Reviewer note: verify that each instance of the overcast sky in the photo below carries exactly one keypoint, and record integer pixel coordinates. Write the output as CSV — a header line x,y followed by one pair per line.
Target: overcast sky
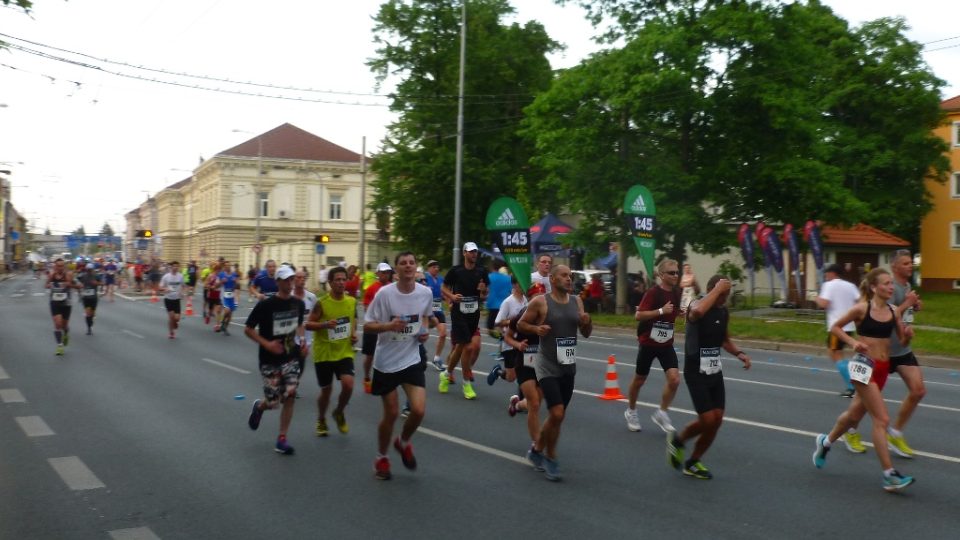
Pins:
x,y
86,146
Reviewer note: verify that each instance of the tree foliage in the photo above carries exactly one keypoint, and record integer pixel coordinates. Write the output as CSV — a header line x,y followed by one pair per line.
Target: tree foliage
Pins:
x,y
419,43
106,230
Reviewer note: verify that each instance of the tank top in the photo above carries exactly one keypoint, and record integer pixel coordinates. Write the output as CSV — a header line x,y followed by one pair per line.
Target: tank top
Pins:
x,y
332,344
59,292
870,327
704,337
560,343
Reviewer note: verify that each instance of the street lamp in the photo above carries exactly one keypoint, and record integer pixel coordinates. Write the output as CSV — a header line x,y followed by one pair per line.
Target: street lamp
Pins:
x,y
258,204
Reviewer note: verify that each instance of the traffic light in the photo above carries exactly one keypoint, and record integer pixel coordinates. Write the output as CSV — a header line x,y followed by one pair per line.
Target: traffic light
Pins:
x,y
144,233
321,238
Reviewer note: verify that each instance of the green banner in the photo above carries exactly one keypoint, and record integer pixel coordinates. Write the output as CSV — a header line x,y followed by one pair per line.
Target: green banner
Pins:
x,y
511,234
641,216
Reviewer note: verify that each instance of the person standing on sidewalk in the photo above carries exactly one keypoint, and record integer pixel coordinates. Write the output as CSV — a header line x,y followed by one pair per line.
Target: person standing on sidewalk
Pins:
x,y
837,296
657,312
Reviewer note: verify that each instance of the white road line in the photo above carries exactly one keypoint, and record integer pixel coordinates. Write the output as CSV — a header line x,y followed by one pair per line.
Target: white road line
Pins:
x,y
134,334
3,374
75,474
472,445
140,533
16,295
12,395
39,294
34,426
227,366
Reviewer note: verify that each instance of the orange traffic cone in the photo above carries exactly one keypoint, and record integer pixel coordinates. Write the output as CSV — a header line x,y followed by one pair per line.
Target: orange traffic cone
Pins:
x,y
611,388
153,296
189,312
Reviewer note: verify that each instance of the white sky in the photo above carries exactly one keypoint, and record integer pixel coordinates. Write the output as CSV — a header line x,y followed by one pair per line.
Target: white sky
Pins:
x,y
86,153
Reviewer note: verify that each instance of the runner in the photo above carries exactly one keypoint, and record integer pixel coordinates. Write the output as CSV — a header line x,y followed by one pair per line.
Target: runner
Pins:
x,y
555,317
837,296
706,334
541,275
138,276
464,287
510,307
519,362
657,312
264,284
212,302
153,275
192,274
251,275
309,300
434,281
876,320
397,315
334,325
369,343
110,279
88,294
274,324
227,281
171,285
60,281
500,288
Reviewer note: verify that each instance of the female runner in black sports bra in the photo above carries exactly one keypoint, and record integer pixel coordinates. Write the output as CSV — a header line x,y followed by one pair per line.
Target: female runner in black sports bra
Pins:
x,y
876,320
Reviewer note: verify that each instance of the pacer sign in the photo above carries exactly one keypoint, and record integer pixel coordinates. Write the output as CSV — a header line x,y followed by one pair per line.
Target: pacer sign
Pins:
x,y
641,215
507,221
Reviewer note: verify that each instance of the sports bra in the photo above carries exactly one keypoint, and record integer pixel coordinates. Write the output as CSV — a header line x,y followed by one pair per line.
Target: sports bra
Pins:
x,y
869,327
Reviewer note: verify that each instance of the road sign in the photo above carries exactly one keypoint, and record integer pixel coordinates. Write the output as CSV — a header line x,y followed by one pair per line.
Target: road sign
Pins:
x,y
257,248
321,249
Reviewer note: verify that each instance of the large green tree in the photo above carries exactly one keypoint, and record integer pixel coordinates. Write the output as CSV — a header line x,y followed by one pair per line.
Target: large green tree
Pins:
x,y
419,43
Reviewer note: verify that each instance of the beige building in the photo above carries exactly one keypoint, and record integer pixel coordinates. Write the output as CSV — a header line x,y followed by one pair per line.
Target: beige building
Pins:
x,y
306,186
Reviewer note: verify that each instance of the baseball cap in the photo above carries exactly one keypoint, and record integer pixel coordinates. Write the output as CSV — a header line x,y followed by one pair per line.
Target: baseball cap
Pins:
x,y
89,266
285,272
469,246
835,268
384,267
432,262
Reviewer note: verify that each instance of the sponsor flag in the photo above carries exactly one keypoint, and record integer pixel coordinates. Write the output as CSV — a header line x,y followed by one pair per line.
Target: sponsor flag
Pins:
x,y
641,215
507,221
811,235
790,239
745,236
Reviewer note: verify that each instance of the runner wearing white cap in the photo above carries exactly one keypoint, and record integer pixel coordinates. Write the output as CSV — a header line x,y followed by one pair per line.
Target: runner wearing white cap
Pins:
x,y
464,287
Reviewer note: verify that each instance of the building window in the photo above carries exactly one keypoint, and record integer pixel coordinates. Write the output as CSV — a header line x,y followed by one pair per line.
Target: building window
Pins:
x,y
956,133
956,284
955,234
264,204
955,186
336,207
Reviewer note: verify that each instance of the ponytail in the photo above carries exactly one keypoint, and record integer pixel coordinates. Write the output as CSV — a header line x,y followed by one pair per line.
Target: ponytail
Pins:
x,y
866,292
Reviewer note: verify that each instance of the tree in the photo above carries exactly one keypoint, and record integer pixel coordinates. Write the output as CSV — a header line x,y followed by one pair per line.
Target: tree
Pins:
x,y
506,65
106,230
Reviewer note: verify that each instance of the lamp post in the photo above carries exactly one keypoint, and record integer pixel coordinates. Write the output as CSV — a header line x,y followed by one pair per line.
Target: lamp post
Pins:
x,y
258,204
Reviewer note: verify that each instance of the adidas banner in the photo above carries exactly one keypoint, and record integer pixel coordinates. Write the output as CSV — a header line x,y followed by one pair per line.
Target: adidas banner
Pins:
x,y
641,216
511,234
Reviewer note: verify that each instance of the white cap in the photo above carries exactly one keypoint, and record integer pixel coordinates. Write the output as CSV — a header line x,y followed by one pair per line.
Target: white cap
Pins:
x,y
470,246
89,266
285,272
384,267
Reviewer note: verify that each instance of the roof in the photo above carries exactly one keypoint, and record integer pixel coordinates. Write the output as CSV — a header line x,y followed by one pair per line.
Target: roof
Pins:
x,y
952,104
861,235
290,142
180,184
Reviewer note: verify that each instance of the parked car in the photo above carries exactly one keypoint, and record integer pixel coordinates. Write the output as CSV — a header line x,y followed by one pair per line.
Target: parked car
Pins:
x,y
582,277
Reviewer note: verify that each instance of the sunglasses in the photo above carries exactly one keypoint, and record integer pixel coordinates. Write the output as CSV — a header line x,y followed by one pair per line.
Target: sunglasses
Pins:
x,y
672,273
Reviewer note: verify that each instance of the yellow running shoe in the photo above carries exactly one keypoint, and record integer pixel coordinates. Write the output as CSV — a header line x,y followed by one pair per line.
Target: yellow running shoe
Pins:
x,y
899,445
341,421
322,430
852,440
468,392
444,385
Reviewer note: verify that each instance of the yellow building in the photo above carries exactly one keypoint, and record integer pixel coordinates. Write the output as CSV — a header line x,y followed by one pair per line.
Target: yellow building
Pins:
x,y
940,229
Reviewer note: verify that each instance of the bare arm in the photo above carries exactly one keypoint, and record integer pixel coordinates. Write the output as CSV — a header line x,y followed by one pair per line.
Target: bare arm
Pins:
x,y
855,315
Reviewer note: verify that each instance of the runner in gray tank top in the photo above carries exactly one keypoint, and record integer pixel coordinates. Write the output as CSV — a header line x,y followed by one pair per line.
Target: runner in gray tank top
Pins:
x,y
555,317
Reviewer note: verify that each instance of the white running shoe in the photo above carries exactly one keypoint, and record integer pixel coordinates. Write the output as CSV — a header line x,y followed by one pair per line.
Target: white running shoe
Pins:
x,y
633,421
661,419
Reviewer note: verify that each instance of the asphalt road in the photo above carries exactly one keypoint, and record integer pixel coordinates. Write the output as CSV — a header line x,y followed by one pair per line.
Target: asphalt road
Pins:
x,y
132,435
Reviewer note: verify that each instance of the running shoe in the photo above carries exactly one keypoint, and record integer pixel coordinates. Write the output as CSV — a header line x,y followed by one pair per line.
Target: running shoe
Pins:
x,y
381,468
444,385
282,447
535,458
852,440
674,450
206,319
89,332
225,331
551,469
494,374
341,421
367,386
438,364
899,445
255,415
171,336
59,350
405,411
406,454
216,327
66,338
633,420
322,430
661,419
848,393
468,392
697,470
512,409
896,481
820,454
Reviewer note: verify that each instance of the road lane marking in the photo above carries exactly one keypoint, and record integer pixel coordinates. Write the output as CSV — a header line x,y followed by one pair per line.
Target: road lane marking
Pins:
x,y
34,426
473,445
134,334
16,295
75,474
139,533
39,294
227,366
12,395
3,374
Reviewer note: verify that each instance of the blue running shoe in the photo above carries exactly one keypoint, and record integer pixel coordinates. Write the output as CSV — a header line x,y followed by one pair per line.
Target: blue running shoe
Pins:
x,y
896,481
551,469
255,415
283,447
820,454
535,458
494,374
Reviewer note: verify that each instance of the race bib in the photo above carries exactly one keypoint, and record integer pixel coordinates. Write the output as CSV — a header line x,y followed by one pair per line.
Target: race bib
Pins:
x,y
710,360
87,293
340,331
567,350
228,294
410,329
58,296
284,322
437,305
908,316
530,355
469,304
861,368
662,331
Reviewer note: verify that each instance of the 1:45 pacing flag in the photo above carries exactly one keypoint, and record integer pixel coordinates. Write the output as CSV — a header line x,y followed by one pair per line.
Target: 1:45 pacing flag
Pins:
x,y
641,215
507,221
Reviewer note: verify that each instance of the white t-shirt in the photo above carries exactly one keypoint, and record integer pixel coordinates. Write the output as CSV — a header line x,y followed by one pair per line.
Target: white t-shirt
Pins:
x,y
397,351
842,296
543,280
309,300
509,309
173,283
